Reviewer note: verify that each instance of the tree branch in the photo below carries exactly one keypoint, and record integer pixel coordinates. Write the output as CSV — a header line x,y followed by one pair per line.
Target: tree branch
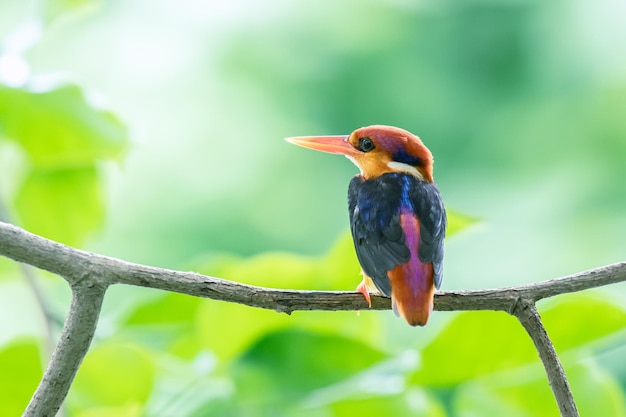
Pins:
x,y
80,326
527,314
84,270
74,265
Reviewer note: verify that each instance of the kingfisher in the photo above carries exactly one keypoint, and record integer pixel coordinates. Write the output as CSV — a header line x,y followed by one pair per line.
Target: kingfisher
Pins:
x,y
397,217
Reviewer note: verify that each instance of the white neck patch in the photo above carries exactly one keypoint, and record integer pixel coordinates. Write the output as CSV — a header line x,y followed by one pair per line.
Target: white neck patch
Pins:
x,y
402,167
354,162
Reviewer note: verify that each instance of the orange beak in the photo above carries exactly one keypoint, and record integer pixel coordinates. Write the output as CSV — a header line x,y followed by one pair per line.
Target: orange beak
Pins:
x,y
331,144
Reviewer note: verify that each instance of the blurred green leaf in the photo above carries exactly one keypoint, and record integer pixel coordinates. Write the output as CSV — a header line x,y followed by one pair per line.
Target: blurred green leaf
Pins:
x,y
413,403
340,269
574,320
20,363
131,409
596,391
62,204
526,393
286,365
59,128
8,269
514,395
276,270
379,389
58,8
270,269
188,388
63,137
218,318
458,221
217,322
167,323
494,341
472,344
171,308
113,374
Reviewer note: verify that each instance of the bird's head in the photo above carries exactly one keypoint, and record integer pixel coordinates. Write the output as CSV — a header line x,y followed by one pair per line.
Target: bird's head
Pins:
x,y
376,150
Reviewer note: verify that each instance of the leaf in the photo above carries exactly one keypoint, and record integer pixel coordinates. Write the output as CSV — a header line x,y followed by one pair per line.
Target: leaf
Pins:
x,y
20,363
574,320
8,269
113,374
596,392
216,323
415,402
281,270
59,128
527,393
171,308
378,390
62,204
474,343
458,221
478,343
62,137
340,268
54,9
270,269
167,323
286,365
187,388
131,409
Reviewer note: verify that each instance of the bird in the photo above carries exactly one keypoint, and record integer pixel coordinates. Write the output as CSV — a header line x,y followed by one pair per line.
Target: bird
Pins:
x,y
397,216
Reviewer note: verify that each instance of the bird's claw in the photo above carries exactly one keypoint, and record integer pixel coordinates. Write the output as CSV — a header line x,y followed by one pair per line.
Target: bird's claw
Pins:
x,y
362,288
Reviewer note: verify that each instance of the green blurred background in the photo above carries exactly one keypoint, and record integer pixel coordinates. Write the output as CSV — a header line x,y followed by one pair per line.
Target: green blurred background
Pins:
x,y
523,104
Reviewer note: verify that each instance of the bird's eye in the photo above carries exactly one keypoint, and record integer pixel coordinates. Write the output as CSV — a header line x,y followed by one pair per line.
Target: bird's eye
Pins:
x,y
366,144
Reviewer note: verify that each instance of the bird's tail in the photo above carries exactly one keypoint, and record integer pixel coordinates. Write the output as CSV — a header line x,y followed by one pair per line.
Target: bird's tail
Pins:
x,y
412,295
412,285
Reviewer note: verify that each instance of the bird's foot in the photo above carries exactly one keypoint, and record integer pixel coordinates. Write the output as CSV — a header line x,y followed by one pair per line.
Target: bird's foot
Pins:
x,y
362,288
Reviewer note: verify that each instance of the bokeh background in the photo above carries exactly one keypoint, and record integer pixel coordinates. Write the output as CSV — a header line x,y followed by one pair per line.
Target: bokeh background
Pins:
x,y
152,132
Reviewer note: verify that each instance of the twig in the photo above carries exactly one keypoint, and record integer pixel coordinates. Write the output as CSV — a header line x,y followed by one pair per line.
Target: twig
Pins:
x,y
50,319
72,347
97,272
527,314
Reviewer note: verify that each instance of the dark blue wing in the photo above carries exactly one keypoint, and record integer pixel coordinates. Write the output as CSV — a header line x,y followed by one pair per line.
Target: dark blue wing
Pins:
x,y
375,206
428,207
